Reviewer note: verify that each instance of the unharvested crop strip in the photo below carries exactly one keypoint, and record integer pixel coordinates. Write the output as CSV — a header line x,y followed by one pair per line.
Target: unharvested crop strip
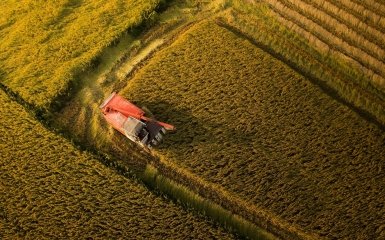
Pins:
x,y
183,195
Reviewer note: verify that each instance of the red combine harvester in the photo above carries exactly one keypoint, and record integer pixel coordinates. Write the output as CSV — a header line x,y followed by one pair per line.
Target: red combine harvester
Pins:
x,y
130,121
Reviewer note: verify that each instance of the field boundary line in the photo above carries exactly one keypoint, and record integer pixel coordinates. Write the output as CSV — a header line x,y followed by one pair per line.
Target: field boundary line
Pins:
x,y
323,85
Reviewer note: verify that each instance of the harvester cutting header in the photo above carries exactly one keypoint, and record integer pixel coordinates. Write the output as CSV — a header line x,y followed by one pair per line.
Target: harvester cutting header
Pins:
x,y
129,119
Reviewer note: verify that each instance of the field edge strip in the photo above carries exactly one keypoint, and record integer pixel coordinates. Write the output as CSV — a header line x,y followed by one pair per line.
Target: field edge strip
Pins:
x,y
184,196
215,193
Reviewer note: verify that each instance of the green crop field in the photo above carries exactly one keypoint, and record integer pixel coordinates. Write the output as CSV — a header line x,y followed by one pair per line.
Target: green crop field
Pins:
x,y
44,44
51,190
251,125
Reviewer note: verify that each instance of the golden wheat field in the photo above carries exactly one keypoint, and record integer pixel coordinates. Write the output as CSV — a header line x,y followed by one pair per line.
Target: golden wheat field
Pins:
x,y
44,44
252,125
51,190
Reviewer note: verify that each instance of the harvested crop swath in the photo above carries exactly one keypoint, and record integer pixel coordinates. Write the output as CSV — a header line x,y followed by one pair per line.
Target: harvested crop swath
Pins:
x,y
360,12
44,44
344,24
336,35
377,7
50,190
331,45
310,56
249,123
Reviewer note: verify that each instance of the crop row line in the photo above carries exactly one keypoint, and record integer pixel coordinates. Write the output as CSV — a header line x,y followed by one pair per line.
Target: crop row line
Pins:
x,y
330,67
316,40
374,41
361,13
372,5
372,65
323,46
362,97
339,31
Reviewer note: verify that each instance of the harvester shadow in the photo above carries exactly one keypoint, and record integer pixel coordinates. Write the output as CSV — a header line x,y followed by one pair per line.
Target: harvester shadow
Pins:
x,y
191,130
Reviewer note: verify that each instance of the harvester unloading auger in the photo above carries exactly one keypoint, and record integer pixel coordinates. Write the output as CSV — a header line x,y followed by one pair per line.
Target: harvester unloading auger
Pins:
x,y
128,119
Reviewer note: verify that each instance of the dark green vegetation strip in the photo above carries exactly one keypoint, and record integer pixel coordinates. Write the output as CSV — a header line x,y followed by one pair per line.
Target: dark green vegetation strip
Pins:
x,y
250,124
45,44
49,189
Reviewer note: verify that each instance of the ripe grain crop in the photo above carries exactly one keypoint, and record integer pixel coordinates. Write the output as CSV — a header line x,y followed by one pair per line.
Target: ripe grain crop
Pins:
x,y
311,56
335,46
356,15
377,7
349,27
250,124
44,44
361,12
334,34
50,189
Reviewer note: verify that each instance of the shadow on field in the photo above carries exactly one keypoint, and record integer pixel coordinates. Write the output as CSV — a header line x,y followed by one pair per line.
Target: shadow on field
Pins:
x,y
191,130
2,75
